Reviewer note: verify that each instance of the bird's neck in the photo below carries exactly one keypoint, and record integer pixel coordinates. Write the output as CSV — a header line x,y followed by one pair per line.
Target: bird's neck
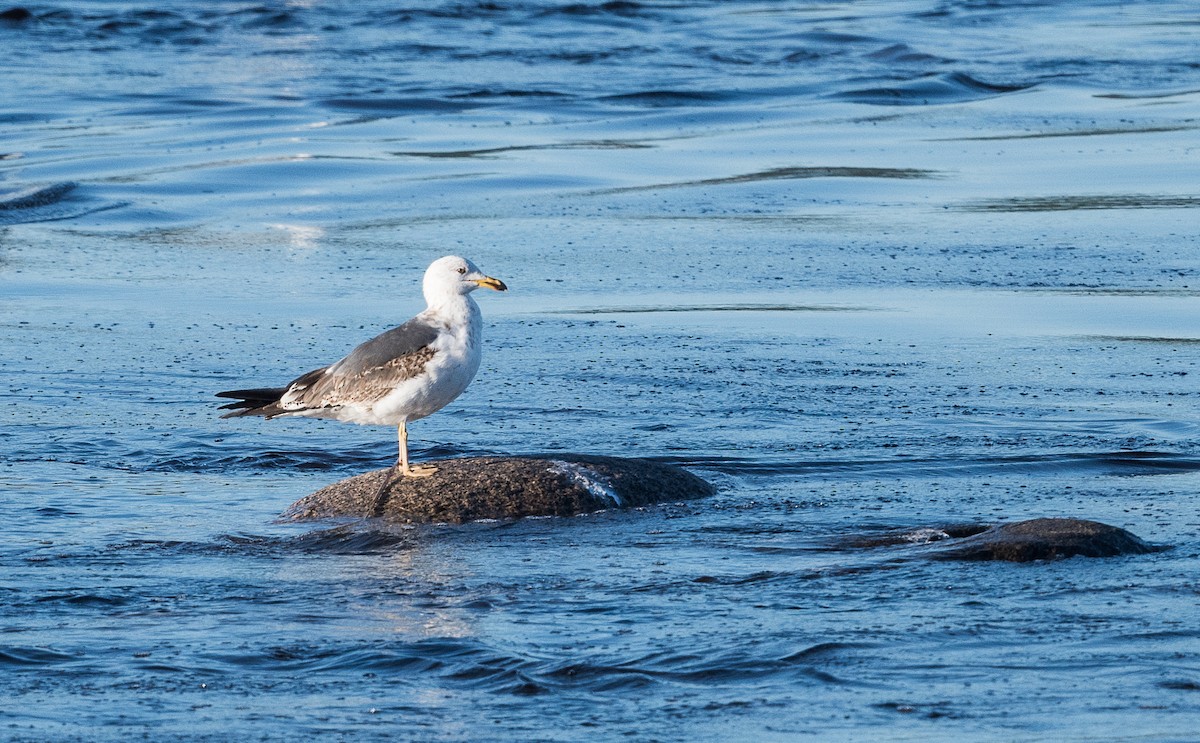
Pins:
x,y
454,308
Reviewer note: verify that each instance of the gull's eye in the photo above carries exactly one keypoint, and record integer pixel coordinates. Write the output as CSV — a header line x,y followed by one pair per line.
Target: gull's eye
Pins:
x,y
462,269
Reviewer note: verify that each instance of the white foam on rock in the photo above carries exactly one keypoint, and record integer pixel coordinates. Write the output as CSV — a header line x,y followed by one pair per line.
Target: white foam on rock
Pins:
x,y
926,535
593,482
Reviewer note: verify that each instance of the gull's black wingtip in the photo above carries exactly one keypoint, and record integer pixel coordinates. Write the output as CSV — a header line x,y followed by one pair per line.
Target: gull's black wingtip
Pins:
x,y
250,402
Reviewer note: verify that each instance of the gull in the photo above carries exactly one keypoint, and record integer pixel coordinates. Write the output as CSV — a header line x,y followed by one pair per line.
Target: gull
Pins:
x,y
399,376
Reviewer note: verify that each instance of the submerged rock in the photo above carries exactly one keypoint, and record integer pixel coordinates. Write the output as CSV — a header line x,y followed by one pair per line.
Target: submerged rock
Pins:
x,y
16,15
476,488
1021,541
1045,539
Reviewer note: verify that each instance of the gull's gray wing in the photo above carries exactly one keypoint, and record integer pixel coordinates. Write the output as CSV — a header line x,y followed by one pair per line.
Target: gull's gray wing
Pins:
x,y
387,347
371,370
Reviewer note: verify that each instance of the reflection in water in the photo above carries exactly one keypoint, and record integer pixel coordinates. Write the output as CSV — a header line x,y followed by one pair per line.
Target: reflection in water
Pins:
x,y
302,237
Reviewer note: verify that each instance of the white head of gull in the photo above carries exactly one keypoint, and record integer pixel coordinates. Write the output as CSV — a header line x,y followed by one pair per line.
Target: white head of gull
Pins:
x,y
402,375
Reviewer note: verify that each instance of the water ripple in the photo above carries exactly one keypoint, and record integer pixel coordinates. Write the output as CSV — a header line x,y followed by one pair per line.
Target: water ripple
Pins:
x,y
952,87
1113,463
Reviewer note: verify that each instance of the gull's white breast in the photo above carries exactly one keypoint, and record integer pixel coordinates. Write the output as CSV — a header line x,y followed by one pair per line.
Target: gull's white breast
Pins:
x,y
457,353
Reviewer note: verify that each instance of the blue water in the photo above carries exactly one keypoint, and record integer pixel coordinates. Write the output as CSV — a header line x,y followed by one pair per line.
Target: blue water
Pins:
x,y
868,267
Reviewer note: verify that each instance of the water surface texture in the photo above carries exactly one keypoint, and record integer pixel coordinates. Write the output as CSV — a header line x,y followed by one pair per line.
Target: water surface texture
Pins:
x,y
869,267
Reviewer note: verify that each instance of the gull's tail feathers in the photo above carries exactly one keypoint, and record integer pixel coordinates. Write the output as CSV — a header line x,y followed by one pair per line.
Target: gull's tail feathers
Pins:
x,y
261,401
264,401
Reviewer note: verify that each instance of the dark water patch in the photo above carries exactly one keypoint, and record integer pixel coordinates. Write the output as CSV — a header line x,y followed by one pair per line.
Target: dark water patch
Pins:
x,y
143,176
762,576
1105,132
512,93
221,546
354,539
216,459
1110,463
735,667
650,309
34,197
207,459
747,219
1188,633
83,599
153,546
588,57
155,27
751,582
786,173
1089,290
1148,96
168,105
826,651
33,657
55,512
600,144
623,8
670,98
927,710
718,667
496,673
289,659
1180,685
55,202
233,455
398,106
345,539
1080,203
954,87
1154,340
451,11
23,117
905,54
266,18
837,39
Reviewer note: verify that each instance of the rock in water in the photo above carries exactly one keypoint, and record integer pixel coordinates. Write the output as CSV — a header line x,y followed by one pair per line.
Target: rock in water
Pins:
x,y
1045,539
476,488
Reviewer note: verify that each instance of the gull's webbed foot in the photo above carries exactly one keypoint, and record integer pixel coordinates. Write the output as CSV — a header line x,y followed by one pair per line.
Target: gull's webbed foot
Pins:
x,y
421,471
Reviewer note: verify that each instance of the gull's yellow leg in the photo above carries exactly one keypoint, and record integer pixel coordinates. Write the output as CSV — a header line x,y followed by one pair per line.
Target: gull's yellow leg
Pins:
x,y
405,469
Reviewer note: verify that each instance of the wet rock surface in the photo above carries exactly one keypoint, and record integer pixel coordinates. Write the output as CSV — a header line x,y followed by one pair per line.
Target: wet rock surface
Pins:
x,y
1020,541
475,488
1046,539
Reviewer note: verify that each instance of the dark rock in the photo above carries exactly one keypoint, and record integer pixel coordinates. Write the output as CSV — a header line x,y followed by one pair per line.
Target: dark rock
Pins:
x,y
15,15
1045,539
476,488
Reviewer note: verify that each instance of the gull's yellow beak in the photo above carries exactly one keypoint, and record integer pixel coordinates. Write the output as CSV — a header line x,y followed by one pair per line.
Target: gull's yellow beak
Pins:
x,y
491,283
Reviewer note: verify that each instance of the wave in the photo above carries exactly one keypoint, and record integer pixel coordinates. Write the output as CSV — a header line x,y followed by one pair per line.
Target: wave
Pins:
x,y
473,665
670,98
11,655
953,87
397,106
192,456
48,203
1070,203
346,539
34,197
1118,463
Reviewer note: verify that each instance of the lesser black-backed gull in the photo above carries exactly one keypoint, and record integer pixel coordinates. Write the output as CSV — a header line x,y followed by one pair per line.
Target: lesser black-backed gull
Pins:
x,y
402,375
